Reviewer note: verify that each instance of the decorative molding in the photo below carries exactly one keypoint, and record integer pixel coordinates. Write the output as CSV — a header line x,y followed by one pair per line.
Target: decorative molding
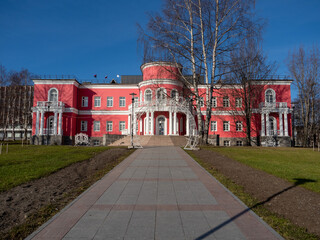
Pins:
x,y
160,82
113,86
58,82
102,112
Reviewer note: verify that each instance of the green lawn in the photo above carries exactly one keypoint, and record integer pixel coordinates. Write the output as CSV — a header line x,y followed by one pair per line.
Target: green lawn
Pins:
x,y
286,163
23,164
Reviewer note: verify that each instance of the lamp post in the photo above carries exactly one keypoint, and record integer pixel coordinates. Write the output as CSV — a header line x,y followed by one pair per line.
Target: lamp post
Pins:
x,y
132,125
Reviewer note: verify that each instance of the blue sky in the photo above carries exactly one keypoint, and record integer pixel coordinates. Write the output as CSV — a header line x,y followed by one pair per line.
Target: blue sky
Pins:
x,y
87,37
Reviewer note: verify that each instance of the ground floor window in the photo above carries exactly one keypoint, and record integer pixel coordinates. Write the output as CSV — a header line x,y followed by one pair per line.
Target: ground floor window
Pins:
x,y
84,126
96,142
96,126
226,126
109,126
239,143
213,126
122,125
238,126
226,143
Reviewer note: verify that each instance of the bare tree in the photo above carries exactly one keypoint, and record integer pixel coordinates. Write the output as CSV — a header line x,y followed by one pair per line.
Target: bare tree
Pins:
x,y
304,66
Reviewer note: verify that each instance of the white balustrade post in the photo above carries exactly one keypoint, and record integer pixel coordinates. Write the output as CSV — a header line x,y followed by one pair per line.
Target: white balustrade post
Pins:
x,y
170,123
267,124
55,121
152,122
37,122
286,124
41,122
281,124
60,124
263,130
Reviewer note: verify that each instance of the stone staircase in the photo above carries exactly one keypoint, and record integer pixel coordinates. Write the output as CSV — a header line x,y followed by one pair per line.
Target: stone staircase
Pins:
x,y
147,141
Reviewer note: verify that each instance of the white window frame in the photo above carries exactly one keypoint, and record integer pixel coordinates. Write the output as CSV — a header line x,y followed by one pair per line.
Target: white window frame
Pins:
x,y
109,100
238,102
214,102
84,126
226,143
273,93
97,101
109,126
49,94
226,101
226,126
84,101
122,125
214,126
122,101
239,126
96,126
147,91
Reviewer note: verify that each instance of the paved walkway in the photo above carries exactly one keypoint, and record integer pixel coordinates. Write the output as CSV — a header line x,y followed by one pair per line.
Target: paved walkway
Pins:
x,y
156,193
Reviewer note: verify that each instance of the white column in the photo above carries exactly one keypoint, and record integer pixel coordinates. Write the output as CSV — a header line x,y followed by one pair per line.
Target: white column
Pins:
x,y
263,130
174,123
281,124
41,122
187,125
134,124
147,123
129,124
37,122
267,124
140,126
55,121
170,123
60,124
152,122
286,124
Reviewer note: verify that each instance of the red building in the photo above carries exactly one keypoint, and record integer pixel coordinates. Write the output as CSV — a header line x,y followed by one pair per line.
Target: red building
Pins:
x,y
65,107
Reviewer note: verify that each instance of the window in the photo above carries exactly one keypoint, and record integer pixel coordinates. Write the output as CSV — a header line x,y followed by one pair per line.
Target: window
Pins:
x,y
214,102
109,126
226,126
84,126
201,102
270,96
238,102
238,126
84,102
53,95
148,95
136,99
174,94
97,101
226,143
161,94
122,125
239,143
226,102
109,101
96,142
96,126
213,126
122,101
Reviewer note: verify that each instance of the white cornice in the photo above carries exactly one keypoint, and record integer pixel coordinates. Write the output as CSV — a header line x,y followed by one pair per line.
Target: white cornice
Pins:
x,y
71,110
56,81
102,112
115,86
160,82
164,64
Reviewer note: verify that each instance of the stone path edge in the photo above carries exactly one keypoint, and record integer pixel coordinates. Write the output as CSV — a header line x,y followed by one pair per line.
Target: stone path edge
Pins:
x,y
123,164
184,153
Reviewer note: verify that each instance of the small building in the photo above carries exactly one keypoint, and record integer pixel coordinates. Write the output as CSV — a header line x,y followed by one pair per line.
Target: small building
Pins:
x,y
162,105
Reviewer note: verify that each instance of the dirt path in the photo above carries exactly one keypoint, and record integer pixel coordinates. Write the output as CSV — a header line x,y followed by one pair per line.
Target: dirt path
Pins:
x,y
295,203
57,189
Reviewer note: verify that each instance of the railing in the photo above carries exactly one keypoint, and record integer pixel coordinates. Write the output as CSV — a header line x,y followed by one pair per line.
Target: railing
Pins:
x,y
273,105
48,104
272,133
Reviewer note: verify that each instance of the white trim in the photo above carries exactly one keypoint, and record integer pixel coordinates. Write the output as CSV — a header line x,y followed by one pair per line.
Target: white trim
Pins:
x,y
71,110
163,64
160,81
274,96
102,112
114,86
58,82
227,113
49,94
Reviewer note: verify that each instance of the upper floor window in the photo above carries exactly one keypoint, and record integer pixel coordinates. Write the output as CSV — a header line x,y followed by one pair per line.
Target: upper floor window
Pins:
x,y
174,94
238,102
270,96
148,95
213,126
53,95
122,101
226,102
97,101
96,126
84,102
161,94
109,101
214,102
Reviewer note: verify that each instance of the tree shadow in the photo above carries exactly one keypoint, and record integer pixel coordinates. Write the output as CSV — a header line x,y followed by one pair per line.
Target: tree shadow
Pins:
x,y
298,181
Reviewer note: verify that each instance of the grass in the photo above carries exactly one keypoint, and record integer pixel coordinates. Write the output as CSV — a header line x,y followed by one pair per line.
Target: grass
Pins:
x,y
287,163
25,163
284,227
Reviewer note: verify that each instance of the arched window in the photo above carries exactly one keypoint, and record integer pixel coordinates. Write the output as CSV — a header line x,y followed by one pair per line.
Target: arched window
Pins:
x,y
161,94
53,95
174,94
147,95
270,96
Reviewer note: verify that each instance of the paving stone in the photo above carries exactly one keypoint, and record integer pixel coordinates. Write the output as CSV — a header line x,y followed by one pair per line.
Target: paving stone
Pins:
x,y
168,225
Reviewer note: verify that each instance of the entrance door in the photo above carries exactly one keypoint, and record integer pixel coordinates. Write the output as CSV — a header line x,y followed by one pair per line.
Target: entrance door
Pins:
x,y
50,125
161,122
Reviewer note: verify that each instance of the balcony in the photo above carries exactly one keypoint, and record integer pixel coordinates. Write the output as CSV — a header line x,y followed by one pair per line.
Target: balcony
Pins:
x,y
273,105
47,104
